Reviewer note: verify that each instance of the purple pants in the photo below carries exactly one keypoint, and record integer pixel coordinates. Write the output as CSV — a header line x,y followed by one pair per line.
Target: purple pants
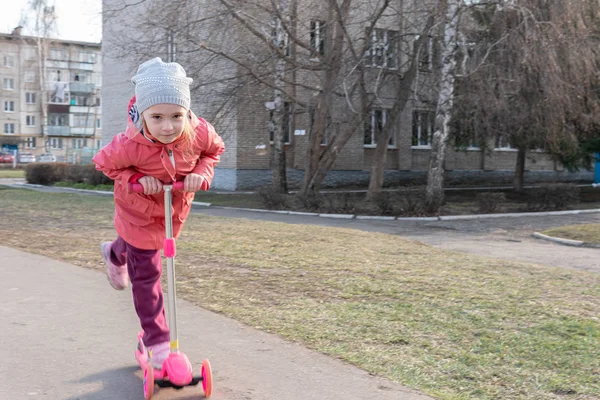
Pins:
x,y
144,268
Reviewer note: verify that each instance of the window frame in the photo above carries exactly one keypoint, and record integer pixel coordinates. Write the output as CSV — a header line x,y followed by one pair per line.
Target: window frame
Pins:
x,y
7,125
12,84
380,38
30,121
30,96
417,128
9,106
287,121
318,36
371,123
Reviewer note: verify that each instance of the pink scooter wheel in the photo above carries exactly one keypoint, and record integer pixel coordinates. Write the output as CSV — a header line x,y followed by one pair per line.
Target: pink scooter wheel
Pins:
x,y
206,378
148,382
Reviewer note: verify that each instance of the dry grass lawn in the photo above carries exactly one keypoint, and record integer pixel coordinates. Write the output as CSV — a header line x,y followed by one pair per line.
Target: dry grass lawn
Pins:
x,y
454,326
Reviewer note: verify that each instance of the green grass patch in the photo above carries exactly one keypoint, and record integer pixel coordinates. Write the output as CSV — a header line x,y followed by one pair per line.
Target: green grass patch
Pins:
x,y
588,233
12,173
454,326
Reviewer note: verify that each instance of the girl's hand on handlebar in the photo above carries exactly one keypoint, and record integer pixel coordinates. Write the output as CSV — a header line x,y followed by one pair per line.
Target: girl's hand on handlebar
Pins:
x,y
151,185
193,183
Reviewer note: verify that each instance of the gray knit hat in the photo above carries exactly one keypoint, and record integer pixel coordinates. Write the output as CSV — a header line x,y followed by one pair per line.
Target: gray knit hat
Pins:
x,y
157,82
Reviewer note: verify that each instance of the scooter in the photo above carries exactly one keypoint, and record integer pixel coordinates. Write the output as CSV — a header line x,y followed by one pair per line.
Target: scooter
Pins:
x,y
177,369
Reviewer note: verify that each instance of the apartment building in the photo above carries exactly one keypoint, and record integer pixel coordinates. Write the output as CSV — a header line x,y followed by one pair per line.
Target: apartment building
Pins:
x,y
50,104
239,106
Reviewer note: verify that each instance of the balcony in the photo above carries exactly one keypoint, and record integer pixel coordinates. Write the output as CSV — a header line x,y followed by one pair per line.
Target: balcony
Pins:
x,y
56,130
78,131
80,87
81,66
83,110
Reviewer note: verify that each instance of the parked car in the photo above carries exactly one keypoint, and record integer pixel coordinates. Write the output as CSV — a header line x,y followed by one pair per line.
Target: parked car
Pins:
x,y
6,158
25,158
48,157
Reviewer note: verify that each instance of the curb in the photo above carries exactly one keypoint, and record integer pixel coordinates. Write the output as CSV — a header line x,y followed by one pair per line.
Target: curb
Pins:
x,y
565,242
359,217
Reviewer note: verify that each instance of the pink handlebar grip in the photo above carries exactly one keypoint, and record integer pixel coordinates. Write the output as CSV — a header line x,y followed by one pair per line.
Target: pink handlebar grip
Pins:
x,y
139,188
169,248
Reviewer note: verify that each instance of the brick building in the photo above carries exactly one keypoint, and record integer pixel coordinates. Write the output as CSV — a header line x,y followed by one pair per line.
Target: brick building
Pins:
x,y
59,115
242,116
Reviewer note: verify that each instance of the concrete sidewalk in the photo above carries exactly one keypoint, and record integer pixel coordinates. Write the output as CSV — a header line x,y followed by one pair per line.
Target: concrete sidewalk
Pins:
x,y
67,335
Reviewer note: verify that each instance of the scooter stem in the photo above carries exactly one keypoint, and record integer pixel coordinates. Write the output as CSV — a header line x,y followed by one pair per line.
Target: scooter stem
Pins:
x,y
169,252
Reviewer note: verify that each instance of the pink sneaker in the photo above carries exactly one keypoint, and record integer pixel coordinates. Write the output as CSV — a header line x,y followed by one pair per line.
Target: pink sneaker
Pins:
x,y
117,276
158,353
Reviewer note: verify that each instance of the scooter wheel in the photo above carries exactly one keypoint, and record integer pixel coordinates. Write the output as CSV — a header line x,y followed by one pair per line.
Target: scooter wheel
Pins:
x,y
206,378
148,382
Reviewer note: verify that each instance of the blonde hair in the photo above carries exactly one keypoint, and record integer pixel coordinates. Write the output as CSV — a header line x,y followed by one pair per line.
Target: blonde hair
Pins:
x,y
187,133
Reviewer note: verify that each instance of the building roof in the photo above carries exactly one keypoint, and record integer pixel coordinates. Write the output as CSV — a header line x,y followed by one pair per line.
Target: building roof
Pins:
x,y
10,36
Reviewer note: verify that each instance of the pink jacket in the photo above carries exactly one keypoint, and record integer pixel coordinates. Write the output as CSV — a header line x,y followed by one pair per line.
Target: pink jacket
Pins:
x,y
139,219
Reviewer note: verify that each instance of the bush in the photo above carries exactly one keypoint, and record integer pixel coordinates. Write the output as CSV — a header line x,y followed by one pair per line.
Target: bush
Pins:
x,y
384,203
553,197
488,203
50,173
412,201
45,173
339,203
311,201
271,198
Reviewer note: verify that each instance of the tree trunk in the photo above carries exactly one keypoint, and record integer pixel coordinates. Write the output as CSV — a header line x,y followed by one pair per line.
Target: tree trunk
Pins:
x,y
434,195
520,170
278,164
315,171
402,96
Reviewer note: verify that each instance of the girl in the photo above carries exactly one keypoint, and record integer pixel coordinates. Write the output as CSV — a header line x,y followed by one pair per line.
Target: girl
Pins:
x,y
164,142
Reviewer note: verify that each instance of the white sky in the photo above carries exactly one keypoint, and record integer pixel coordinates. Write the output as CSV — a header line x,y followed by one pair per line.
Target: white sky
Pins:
x,y
78,20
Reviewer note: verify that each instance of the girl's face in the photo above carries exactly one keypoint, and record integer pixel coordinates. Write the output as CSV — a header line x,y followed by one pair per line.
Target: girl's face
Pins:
x,y
165,121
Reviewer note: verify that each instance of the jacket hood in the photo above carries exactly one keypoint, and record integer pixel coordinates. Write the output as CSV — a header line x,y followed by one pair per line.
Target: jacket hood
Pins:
x,y
134,125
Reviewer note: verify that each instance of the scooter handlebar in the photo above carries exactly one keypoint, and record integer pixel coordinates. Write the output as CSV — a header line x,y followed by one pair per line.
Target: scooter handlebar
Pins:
x,y
139,188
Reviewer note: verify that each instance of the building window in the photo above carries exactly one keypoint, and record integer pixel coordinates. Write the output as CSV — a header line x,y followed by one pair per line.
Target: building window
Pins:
x,y
56,143
317,37
383,49
98,144
503,143
86,57
374,125
171,47
30,98
30,119
59,54
83,120
30,53
466,141
79,143
58,119
30,143
9,106
287,126
9,61
98,124
423,126
9,128
29,76
426,55
9,84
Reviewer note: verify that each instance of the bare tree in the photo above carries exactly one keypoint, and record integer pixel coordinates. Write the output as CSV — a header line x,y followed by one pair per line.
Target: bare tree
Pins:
x,y
279,169
531,80
435,176
41,20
